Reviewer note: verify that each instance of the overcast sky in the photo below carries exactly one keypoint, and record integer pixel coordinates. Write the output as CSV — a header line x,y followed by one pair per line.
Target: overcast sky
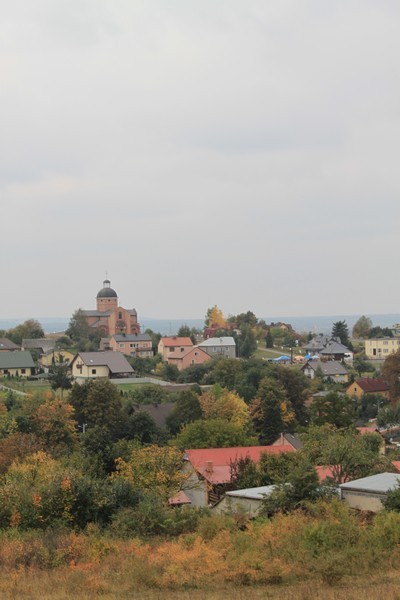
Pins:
x,y
243,153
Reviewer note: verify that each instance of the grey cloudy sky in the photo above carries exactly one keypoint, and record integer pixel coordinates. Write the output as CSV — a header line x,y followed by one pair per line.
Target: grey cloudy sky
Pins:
x,y
234,152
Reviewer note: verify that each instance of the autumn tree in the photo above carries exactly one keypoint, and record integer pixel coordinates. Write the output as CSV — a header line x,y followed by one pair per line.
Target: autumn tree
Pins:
x,y
55,426
213,433
97,403
220,403
391,373
155,469
215,318
362,327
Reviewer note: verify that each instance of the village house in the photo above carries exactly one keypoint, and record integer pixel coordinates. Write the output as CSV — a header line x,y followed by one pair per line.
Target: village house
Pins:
x,y
55,357
330,370
134,344
219,346
209,471
7,345
16,363
368,385
94,365
174,344
381,348
186,358
109,317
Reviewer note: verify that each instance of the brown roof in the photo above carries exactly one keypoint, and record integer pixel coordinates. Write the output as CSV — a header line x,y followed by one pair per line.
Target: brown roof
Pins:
x,y
6,344
370,385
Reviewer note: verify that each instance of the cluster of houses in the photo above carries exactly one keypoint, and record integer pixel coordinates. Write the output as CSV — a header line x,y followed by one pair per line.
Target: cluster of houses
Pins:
x,y
209,479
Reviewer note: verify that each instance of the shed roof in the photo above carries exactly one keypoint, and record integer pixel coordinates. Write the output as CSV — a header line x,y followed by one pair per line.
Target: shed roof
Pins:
x,y
381,483
257,493
176,341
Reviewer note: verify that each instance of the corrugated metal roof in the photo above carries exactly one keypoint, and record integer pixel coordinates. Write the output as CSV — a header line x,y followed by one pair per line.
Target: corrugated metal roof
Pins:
x,y
257,493
381,483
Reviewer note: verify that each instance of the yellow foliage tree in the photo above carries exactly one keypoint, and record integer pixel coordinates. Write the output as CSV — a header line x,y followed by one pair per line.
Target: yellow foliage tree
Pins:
x,y
220,403
215,317
154,468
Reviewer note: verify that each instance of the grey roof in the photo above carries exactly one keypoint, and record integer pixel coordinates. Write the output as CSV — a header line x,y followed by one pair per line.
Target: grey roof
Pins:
x,y
115,361
317,343
257,493
16,359
97,313
38,344
159,412
381,483
329,367
334,347
294,440
218,341
131,337
6,344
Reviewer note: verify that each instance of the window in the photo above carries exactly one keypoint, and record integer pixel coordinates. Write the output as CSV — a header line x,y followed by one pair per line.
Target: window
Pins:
x,y
122,345
93,371
23,371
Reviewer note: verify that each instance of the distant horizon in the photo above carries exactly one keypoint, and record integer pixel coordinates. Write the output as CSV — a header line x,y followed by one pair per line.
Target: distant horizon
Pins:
x,y
311,323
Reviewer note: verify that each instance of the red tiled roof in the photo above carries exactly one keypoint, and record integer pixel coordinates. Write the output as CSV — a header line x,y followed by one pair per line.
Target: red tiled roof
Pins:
x,y
179,354
364,430
180,498
214,464
324,471
396,464
367,384
176,341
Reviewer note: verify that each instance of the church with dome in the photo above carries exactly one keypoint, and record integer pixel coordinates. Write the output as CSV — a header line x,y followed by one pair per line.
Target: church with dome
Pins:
x,y
109,316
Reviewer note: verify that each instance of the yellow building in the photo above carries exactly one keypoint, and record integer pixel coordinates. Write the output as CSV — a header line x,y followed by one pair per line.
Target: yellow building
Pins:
x,y
381,347
55,357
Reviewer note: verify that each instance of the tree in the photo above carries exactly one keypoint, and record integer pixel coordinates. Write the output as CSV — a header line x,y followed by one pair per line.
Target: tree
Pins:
x,y
60,378
97,403
362,327
220,403
391,373
301,485
186,409
269,340
186,331
340,330
78,327
270,411
55,426
349,454
155,469
213,433
296,386
214,317
27,330
247,342
335,408
380,332
140,426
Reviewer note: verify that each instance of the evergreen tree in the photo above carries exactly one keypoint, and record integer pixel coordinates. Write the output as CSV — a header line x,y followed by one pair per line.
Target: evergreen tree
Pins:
x,y
266,410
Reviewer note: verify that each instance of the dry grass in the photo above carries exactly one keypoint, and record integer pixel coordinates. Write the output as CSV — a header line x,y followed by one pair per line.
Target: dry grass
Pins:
x,y
65,584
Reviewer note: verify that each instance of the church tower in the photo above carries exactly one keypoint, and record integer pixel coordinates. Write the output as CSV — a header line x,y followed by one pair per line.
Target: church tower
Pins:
x,y
107,298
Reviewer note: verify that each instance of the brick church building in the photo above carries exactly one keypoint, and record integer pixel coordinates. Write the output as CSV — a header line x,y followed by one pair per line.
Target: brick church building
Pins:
x,y
110,317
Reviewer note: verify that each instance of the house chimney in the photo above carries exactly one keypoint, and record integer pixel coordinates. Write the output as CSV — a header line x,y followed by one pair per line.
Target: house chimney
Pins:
x,y
209,466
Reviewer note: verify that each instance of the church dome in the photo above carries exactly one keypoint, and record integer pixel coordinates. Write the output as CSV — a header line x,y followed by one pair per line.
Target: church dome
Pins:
x,y
107,291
